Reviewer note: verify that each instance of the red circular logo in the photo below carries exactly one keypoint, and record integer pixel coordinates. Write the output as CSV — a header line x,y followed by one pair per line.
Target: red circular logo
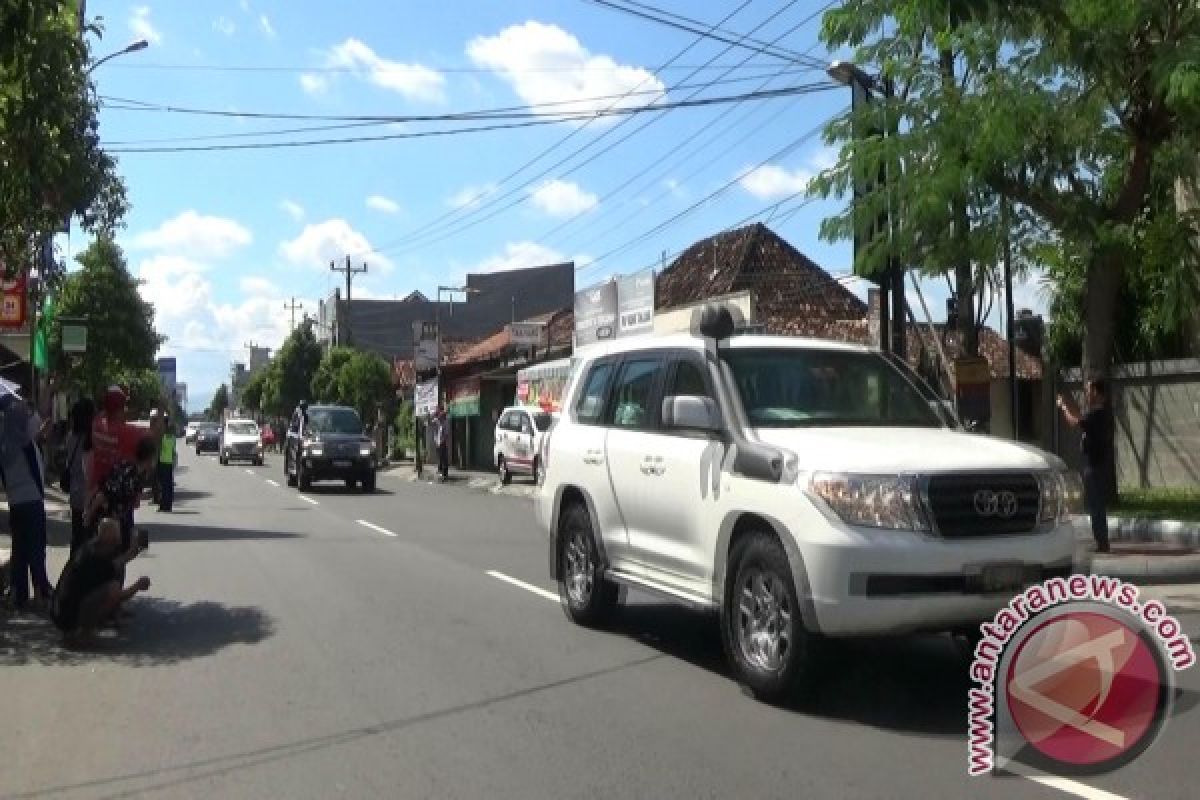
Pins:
x,y
1085,689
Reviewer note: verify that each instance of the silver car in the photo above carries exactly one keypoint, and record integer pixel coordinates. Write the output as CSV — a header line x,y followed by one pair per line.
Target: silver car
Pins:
x,y
241,441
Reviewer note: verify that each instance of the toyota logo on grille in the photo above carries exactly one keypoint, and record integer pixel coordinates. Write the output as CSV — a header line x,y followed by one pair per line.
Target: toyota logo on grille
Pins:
x,y
995,504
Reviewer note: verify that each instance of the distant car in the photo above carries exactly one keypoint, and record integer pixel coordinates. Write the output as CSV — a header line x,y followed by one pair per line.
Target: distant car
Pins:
x,y
189,433
519,434
327,443
208,438
240,442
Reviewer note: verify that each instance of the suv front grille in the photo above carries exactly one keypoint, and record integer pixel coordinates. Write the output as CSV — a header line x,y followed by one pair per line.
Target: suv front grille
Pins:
x,y
992,504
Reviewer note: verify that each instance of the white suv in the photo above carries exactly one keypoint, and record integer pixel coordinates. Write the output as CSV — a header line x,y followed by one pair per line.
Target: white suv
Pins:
x,y
519,432
803,489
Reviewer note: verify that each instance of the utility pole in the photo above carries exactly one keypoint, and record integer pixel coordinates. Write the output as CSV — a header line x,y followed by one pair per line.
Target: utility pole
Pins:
x,y
292,306
1009,317
350,272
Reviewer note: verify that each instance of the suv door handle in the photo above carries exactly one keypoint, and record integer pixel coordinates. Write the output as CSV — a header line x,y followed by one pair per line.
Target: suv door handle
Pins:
x,y
595,457
653,465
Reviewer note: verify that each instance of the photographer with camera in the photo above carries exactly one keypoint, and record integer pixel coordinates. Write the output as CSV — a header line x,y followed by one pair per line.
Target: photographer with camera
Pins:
x,y
91,590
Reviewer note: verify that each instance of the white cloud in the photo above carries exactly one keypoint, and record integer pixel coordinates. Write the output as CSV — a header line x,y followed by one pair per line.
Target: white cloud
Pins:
x,y
546,64
293,209
413,81
470,195
770,181
251,284
139,23
245,4
517,255
387,205
196,235
562,198
331,240
224,25
312,83
676,189
268,29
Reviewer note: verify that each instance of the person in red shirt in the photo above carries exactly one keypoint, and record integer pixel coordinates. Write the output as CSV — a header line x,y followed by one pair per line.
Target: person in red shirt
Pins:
x,y
113,441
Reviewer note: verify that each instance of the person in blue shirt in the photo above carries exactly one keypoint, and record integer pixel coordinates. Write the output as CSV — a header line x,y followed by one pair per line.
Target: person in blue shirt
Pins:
x,y
21,472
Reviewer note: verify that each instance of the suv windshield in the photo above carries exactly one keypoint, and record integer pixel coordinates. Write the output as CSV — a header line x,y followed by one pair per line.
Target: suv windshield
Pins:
x,y
242,428
791,388
334,420
543,421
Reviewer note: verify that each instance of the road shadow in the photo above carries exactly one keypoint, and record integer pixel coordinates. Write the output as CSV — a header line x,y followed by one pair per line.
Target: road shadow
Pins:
x,y
332,488
183,495
161,632
915,684
169,534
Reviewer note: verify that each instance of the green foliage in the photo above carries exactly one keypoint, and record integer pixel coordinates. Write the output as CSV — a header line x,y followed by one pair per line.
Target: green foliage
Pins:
x,y
220,402
144,388
53,165
405,424
289,378
121,335
326,382
1081,112
252,392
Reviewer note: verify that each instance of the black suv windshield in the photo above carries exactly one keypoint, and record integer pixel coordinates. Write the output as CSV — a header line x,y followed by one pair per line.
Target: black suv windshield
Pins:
x,y
334,420
793,387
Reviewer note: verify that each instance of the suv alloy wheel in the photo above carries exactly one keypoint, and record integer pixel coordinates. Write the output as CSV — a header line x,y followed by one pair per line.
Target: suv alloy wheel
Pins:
x,y
588,598
761,626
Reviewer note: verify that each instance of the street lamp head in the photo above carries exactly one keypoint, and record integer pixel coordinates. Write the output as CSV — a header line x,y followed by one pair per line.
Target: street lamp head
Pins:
x,y
848,74
140,44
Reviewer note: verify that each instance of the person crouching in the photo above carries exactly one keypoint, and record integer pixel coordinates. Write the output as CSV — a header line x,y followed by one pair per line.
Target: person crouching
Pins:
x,y
89,592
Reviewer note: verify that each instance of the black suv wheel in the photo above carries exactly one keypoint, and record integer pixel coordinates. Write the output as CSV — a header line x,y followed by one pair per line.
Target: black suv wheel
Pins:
x,y
589,599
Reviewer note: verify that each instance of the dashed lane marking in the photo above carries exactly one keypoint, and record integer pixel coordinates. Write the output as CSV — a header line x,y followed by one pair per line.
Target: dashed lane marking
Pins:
x,y
520,584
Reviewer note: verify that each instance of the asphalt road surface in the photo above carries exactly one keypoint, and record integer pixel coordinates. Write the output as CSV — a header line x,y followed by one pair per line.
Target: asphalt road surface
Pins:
x,y
409,644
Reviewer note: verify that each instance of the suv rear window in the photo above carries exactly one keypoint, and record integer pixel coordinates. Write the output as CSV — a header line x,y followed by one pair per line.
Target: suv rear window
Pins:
x,y
590,406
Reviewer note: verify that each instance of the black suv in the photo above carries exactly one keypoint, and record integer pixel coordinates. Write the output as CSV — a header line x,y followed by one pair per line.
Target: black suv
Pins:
x,y
328,443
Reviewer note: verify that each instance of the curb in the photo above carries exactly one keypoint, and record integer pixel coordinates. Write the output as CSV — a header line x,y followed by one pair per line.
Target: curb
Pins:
x,y
1149,570
479,483
1143,529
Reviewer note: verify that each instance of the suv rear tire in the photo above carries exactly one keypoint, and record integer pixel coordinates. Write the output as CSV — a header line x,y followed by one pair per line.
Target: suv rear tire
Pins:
x,y
302,479
368,483
771,651
588,598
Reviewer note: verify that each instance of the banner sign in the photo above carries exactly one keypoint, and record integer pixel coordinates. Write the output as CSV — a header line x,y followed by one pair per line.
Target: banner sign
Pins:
x,y
425,346
596,314
166,375
528,334
635,303
464,398
74,338
13,300
425,403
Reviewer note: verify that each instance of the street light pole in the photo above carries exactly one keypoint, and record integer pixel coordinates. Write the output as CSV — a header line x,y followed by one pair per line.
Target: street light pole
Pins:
x,y
133,47
893,328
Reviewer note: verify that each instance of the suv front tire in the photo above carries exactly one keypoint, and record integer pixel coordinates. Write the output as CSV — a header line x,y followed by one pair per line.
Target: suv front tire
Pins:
x,y
588,598
771,651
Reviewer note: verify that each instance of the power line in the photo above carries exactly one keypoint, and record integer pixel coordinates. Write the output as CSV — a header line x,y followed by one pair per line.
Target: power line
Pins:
x,y
457,227
242,68
713,33
457,215
633,111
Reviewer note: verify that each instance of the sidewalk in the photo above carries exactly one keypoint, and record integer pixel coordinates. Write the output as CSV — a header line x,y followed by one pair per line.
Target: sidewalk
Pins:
x,y
476,480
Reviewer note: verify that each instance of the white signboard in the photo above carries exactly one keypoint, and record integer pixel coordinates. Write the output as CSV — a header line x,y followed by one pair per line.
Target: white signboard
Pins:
x,y
425,346
426,402
635,303
528,334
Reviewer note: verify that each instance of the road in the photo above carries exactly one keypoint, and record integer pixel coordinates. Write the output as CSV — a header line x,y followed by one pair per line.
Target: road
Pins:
x,y
335,644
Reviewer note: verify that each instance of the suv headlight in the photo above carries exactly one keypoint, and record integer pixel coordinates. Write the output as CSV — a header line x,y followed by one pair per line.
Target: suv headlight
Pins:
x,y
873,501
314,449
367,449
1062,495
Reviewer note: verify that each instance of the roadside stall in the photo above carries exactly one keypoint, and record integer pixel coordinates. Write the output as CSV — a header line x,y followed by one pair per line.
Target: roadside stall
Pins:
x,y
543,385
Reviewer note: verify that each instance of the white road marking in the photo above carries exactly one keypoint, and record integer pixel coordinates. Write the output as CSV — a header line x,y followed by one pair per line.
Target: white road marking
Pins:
x,y
309,500
249,472
273,483
376,528
1061,784
529,587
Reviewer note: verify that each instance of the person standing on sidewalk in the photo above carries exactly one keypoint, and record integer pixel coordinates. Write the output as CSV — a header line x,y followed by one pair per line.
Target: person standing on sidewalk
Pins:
x,y
79,452
168,457
1096,428
441,440
21,471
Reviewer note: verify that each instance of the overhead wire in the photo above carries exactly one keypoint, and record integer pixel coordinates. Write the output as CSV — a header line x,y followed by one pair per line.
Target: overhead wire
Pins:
x,y
521,198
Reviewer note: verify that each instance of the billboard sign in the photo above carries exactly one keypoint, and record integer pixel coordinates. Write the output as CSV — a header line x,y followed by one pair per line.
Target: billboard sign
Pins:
x,y
596,314
166,375
425,403
14,302
635,303
528,334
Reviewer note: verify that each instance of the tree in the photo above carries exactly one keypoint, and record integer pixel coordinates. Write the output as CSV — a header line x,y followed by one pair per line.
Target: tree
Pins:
x,y
326,386
290,376
1077,111
405,424
252,392
365,382
144,389
121,335
220,402
53,165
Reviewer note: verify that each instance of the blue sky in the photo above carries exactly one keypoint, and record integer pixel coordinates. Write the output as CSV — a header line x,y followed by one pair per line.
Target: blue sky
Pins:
x,y
223,239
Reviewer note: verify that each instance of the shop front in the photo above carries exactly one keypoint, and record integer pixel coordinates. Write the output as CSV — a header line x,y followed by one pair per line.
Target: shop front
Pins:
x,y
543,385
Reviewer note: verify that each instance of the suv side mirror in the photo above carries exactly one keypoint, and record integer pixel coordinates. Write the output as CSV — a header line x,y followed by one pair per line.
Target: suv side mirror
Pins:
x,y
691,412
